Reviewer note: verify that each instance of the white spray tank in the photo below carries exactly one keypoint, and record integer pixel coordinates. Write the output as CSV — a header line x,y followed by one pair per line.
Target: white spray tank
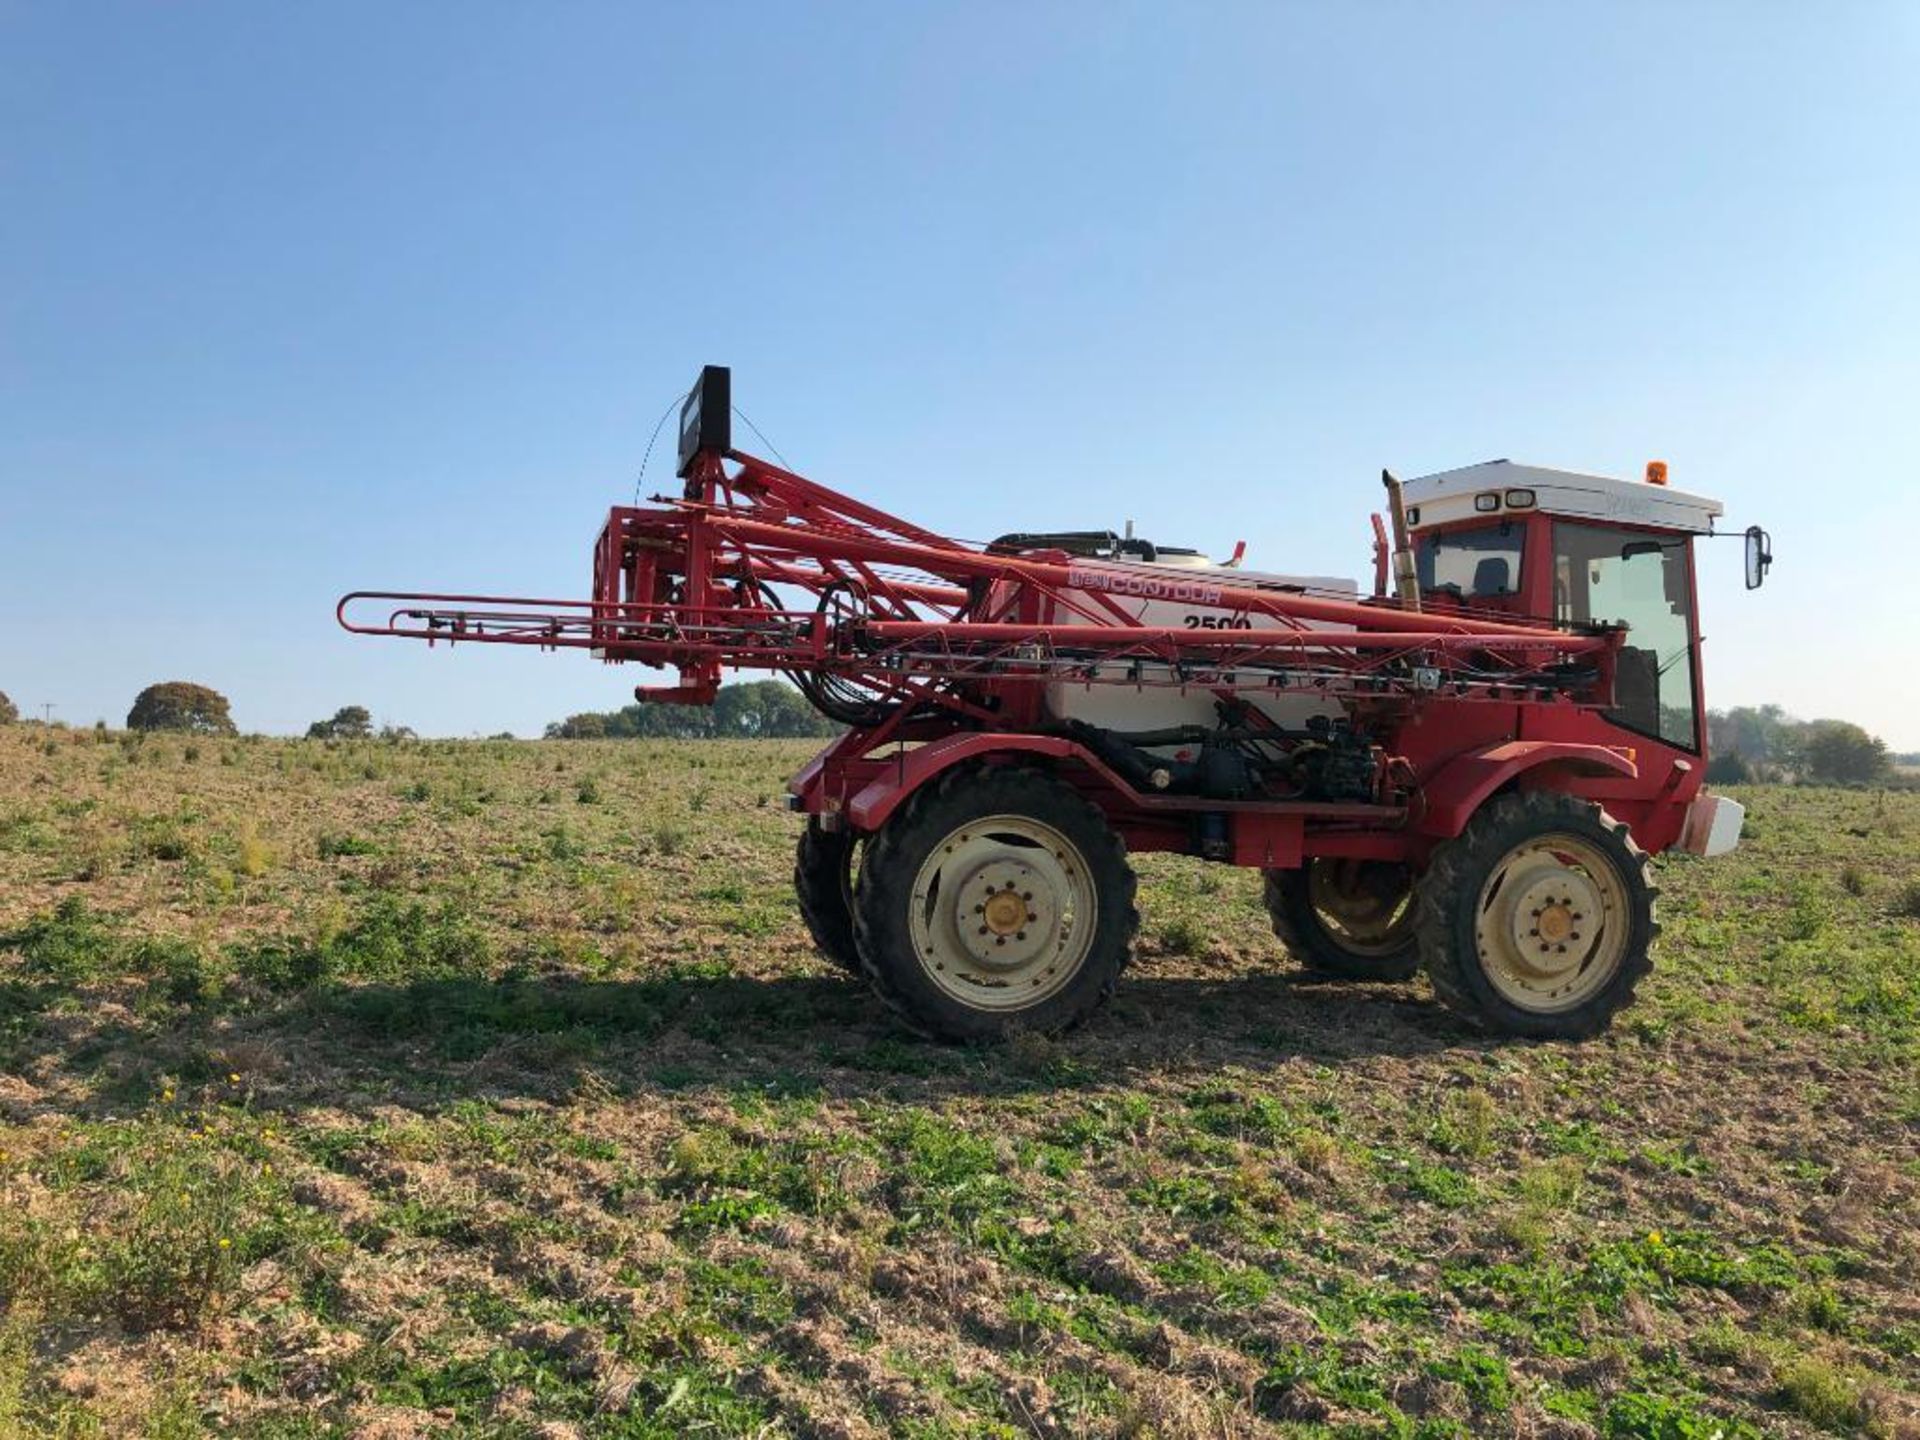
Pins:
x,y
1156,705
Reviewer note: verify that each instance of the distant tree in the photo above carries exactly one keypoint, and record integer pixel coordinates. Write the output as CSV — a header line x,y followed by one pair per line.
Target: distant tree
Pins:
x,y
767,709
1729,768
587,726
1838,752
181,705
1765,735
9,712
396,733
665,722
349,722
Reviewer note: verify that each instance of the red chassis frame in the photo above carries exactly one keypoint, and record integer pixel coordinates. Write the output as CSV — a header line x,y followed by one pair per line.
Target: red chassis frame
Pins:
x,y
945,649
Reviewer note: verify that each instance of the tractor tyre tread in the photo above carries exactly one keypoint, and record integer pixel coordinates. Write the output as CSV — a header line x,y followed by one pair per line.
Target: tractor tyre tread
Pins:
x,y
1290,912
891,861
820,884
1451,887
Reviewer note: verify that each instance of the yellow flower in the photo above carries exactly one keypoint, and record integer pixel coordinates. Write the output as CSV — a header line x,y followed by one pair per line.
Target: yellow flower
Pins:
x,y
225,1244
233,1077
166,1094
1654,1237
266,1169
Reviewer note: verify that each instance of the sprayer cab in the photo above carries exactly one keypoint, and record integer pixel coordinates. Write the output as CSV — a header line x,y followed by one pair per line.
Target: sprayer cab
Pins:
x,y
1581,550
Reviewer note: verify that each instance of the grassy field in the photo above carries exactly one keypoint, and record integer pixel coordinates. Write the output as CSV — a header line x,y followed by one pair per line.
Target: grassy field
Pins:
x,y
492,1088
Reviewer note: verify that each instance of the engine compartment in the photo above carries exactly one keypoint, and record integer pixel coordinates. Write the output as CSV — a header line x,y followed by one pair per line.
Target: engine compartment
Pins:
x,y
1244,756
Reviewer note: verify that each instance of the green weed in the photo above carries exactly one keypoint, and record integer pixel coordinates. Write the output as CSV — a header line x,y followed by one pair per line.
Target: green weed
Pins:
x,y
71,943
1830,1396
1637,1416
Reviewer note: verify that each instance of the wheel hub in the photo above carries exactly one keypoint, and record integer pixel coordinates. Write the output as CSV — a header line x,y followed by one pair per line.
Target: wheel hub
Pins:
x,y
1004,914
1552,920
1555,923
1550,930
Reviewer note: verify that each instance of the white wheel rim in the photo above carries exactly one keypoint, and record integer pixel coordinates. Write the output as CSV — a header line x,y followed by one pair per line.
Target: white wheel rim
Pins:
x,y
1003,913
1553,923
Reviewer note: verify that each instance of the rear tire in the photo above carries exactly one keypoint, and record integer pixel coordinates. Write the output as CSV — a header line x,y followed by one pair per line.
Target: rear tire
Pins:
x,y
1346,919
995,900
823,884
1537,920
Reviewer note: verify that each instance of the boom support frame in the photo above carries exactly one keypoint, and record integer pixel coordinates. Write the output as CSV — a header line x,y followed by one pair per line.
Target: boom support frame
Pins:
x,y
895,615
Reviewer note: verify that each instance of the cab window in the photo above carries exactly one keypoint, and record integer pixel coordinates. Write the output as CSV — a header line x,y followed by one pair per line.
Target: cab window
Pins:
x,y
1608,575
1472,564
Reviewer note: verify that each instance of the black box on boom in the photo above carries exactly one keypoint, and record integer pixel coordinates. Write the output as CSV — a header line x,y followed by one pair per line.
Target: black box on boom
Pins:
x,y
706,417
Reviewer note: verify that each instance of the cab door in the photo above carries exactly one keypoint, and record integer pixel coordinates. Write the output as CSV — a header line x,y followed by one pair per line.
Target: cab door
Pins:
x,y
1644,580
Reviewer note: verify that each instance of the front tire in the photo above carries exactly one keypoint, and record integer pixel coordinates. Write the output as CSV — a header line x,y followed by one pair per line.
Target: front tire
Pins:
x,y
1346,919
1537,920
996,899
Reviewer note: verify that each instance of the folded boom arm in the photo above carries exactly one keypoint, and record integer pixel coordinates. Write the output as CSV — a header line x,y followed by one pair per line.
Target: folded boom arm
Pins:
x,y
757,568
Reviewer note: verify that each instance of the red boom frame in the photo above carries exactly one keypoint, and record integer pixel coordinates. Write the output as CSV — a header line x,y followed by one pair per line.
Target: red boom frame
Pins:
x,y
950,646
690,586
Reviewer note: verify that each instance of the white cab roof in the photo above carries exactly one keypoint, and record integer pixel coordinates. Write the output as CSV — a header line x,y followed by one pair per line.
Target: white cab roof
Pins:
x,y
1449,496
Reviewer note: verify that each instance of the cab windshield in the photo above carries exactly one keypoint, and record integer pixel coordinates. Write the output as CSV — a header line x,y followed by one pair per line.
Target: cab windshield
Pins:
x,y
1605,574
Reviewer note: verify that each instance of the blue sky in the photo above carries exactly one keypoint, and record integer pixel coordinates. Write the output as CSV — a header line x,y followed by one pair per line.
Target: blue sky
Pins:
x,y
297,300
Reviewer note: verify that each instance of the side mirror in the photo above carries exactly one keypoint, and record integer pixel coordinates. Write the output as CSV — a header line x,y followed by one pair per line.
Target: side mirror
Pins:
x,y
1759,556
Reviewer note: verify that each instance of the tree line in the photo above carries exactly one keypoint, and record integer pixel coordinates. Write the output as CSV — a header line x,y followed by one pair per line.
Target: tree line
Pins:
x,y
1762,743
1757,744
171,705
754,709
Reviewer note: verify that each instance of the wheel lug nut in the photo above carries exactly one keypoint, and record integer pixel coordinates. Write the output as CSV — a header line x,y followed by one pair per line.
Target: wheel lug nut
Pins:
x,y
983,929
1020,935
1027,895
1031,917
999,939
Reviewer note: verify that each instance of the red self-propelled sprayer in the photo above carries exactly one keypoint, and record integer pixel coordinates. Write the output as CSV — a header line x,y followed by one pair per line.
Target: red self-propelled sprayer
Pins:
x,y
1464,771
